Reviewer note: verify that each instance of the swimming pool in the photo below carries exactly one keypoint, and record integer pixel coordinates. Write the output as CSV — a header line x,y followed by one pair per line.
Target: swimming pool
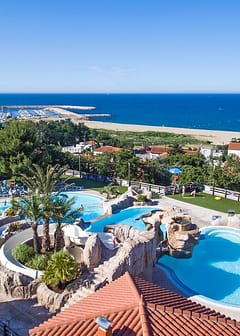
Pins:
x,y
213,271
93,205
4,206
129,216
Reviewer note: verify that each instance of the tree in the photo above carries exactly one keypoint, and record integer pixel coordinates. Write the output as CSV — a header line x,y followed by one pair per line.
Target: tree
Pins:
x,y
126,163
17,144
44,183
105,164
111,190
31,208
62,209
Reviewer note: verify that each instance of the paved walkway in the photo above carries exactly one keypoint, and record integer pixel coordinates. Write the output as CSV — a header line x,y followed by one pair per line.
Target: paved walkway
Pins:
x,y
200,216
21,315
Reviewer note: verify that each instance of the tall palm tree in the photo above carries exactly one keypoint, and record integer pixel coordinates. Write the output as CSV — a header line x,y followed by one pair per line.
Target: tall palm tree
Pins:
x,y
44,183
31,208
62,211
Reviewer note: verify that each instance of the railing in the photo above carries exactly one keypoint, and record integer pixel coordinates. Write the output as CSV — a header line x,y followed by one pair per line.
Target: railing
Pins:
x,y
6,331
230,194
215,191
150,187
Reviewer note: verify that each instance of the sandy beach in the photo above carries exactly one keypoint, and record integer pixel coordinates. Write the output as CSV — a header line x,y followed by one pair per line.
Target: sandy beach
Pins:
x,y
215,137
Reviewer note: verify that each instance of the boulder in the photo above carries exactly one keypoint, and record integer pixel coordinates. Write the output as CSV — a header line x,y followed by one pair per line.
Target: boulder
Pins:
x,y
92,251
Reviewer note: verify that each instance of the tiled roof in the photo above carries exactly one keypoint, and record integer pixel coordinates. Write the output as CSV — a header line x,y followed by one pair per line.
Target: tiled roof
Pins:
x,y
190,152
158,149
105,149
234,146
137,307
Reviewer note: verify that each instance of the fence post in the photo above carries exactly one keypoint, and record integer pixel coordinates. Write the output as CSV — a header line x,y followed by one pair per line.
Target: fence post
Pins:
x,y
213,190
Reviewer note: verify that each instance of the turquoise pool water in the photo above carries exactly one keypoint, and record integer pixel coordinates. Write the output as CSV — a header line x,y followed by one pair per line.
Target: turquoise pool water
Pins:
x,y
93,205
4,206
214,268
128,216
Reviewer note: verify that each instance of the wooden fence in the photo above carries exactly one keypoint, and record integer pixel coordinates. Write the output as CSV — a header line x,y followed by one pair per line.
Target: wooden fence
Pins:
x,y
230,194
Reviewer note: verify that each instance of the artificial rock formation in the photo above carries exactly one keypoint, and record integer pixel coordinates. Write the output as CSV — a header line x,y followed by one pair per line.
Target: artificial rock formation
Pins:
x,y
182,236
152,221
16,284
92,251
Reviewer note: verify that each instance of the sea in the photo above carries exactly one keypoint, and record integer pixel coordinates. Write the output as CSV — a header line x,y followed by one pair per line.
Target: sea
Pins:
x,y
195,111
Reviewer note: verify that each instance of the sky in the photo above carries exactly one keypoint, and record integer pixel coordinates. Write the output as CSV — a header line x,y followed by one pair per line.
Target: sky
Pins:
x,y
95,46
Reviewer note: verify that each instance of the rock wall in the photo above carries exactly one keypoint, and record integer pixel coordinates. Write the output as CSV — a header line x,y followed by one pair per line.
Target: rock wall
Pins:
x,y
122,202
137,254
182,236
16,284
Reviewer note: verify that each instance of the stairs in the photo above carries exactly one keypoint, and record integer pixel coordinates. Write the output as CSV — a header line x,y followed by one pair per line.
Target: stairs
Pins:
x,y
88,287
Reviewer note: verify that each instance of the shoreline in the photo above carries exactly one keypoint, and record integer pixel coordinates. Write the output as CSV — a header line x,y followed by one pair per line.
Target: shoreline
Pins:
x,y
215,137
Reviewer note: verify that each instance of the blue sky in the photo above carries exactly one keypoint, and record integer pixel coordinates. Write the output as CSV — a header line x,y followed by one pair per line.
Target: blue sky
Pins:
x,y
120,46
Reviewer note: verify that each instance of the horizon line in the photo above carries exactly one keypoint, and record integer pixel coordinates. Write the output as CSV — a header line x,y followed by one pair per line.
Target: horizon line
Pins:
x,y
109,93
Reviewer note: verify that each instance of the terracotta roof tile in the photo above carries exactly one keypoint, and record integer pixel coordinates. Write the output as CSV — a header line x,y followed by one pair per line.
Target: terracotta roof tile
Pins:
x,y
105,149
136,308
234,146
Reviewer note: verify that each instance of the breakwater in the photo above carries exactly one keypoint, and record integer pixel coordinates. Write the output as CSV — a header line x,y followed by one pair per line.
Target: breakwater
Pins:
x,y
74,107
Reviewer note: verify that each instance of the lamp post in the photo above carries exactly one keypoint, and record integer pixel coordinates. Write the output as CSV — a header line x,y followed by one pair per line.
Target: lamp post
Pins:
x,y
79,163
129,168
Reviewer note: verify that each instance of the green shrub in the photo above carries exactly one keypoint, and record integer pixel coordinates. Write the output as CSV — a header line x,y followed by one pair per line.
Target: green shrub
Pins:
x,y
23,253
13,227
155,195
38,262
141,198
61,269
11,212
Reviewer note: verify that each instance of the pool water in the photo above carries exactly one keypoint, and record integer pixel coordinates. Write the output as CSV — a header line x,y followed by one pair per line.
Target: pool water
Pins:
x,y
4,206
93,205
128,216
214,268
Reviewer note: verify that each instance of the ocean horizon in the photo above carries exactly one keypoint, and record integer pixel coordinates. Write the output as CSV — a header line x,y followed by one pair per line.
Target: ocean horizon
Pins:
x,y
212,111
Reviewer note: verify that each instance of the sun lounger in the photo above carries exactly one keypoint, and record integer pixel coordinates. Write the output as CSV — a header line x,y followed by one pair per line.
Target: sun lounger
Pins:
x,y
109,240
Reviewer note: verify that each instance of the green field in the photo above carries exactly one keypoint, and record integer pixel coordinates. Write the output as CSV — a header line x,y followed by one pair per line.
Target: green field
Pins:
x,y
94,185
209,202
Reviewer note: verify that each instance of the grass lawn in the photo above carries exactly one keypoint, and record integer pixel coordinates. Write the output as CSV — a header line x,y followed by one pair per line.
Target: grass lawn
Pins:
x,y
209,202
94,185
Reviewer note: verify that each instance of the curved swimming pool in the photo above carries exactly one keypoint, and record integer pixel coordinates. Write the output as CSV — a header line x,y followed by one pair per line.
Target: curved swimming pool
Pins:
x,y
129,216
213,271
92,204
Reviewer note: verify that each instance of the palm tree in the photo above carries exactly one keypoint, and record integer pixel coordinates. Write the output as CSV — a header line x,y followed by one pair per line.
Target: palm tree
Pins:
x,y
62,210
31,208
44,183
